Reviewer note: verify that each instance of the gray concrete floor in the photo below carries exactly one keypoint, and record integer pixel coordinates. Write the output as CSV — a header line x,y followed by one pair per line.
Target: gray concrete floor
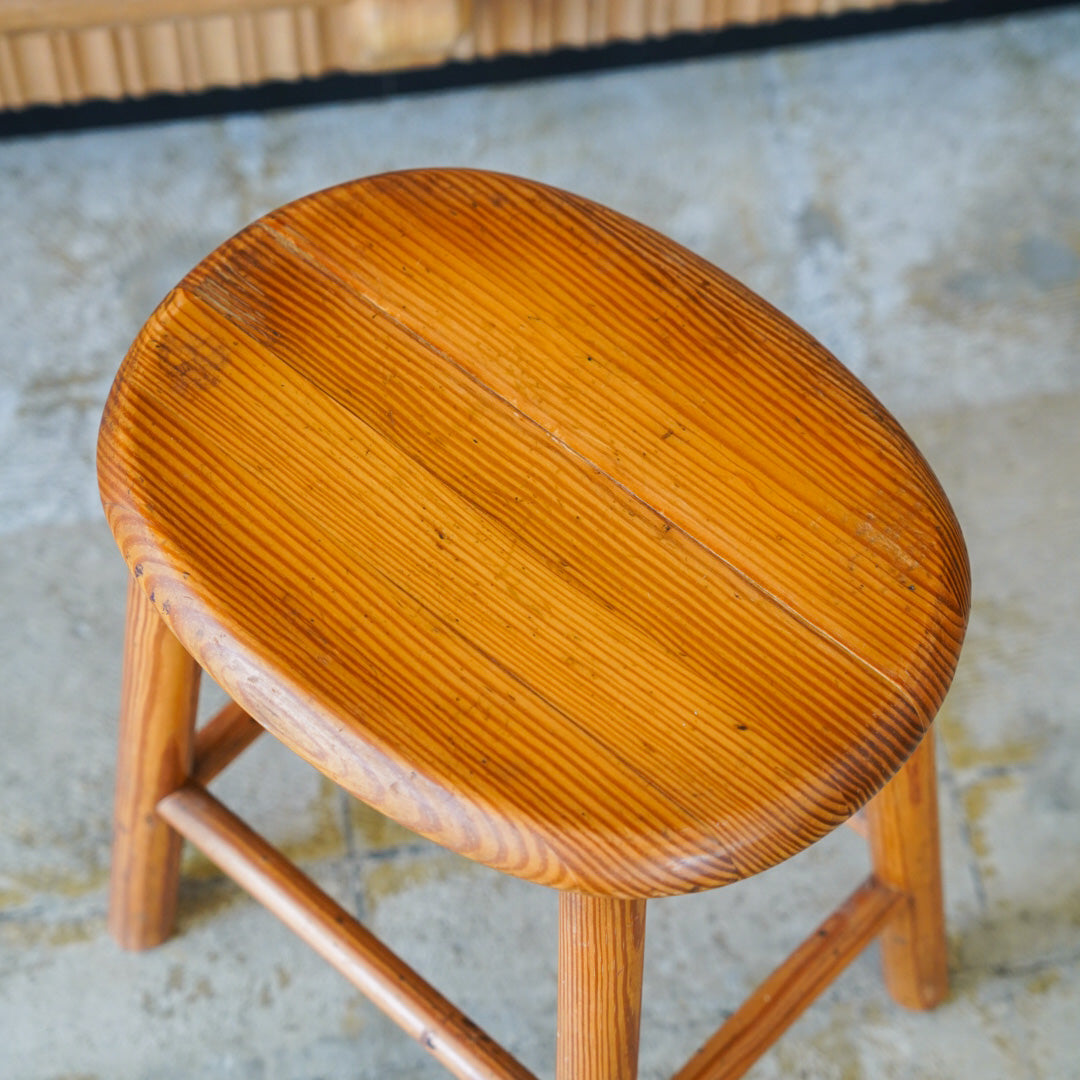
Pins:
x,y
915,202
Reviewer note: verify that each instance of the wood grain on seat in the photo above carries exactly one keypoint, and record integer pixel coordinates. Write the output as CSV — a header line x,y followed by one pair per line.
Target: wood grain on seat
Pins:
x,y
535,531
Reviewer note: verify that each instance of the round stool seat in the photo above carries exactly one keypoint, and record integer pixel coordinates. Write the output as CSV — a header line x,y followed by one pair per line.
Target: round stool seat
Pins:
x,y
535,531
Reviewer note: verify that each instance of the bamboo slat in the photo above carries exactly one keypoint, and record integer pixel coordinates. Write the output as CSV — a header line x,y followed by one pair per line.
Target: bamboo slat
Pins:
x,y
66,51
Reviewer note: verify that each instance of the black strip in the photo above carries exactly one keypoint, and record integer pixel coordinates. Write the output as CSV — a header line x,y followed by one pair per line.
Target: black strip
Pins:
x,y
43,119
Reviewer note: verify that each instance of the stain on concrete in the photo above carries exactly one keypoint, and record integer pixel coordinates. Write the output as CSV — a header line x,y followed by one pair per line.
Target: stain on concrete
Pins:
x,y
148,1005
354,1018
53,390
386,878
965,753
971,287
998,276
1043,982
977,799
832,1047
202,901
1048,263
953,292
818,225
12,898
177,991
1025,941
60,883
71,933
28,933
195,866
326,839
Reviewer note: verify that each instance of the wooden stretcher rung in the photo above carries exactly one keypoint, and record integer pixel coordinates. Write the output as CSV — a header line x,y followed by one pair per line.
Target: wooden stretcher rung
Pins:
x,y
378,973
781,998
222,739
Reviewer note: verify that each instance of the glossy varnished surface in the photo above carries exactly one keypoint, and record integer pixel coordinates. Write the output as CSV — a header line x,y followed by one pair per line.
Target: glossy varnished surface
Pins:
x,y
535,531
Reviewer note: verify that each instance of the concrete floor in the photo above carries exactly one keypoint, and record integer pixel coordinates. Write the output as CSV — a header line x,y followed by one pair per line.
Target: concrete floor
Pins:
x,y
915,202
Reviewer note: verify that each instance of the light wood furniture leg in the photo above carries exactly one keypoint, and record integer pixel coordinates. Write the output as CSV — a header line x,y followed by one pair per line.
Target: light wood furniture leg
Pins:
x,y
902,826
157,720
601,954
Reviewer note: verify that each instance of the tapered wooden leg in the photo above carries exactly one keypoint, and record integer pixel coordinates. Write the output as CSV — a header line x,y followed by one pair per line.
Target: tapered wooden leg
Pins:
x,y
601,953
157,721
902,827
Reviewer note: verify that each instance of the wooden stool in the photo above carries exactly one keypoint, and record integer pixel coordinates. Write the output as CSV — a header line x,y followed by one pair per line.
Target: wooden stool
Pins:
x,y
546,538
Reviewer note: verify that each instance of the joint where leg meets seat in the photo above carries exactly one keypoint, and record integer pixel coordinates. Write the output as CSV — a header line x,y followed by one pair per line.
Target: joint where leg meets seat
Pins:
x,y
221,740
157,725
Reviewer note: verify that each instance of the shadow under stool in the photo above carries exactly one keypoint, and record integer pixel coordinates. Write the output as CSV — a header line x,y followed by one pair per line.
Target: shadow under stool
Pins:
x,y
546,538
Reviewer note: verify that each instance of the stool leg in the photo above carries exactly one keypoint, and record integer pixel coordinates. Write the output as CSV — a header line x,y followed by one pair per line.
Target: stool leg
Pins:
x,y
902,827
601,954
157,722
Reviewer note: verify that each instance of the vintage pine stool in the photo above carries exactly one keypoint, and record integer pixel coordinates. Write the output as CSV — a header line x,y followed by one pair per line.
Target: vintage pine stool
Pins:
x,y
546,538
